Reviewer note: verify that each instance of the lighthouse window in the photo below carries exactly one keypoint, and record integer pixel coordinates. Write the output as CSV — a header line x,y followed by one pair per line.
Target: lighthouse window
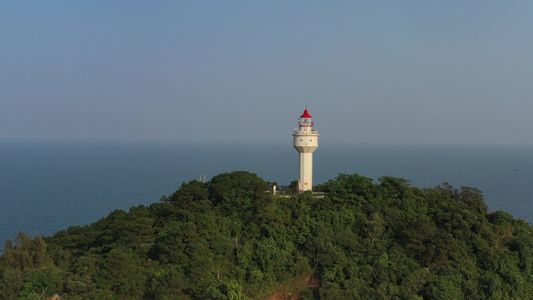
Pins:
x,y
301,140
310,140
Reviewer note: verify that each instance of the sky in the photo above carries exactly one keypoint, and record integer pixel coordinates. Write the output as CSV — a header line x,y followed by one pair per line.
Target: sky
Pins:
x,y
370,72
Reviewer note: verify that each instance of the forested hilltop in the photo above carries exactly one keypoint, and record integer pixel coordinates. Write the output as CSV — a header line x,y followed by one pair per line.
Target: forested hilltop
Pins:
x,y
230,238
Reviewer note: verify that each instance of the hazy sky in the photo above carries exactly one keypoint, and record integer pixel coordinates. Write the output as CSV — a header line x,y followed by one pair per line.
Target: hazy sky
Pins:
x,y
432,72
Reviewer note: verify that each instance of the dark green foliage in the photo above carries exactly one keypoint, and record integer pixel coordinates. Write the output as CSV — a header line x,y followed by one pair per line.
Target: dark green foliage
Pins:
x,y
236,188
193,191
230,239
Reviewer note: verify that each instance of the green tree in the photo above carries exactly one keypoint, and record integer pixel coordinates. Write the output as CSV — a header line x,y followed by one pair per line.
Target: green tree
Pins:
x,y
193,191
40,283
236,187
26,253
121,273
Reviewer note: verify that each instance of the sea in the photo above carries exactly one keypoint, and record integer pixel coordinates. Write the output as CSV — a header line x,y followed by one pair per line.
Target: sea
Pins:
x,y
48,186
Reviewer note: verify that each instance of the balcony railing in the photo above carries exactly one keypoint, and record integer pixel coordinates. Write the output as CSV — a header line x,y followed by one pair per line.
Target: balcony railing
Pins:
x,y
310,132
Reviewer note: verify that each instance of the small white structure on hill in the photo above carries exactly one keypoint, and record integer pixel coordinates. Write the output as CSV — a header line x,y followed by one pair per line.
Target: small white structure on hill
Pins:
x,y
305,141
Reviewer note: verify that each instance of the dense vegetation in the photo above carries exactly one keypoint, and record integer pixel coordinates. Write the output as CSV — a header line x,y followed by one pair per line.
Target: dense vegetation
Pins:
x,y
231,239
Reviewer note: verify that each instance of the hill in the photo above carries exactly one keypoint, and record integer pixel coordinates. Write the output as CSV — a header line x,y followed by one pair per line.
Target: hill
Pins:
x,y
231,239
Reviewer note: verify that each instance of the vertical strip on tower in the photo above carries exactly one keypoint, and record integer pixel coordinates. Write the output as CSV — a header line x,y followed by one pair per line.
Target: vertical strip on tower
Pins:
x,y
305,141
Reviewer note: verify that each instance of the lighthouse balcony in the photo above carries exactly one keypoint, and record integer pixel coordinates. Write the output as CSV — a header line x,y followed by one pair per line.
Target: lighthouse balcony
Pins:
x,y
310,132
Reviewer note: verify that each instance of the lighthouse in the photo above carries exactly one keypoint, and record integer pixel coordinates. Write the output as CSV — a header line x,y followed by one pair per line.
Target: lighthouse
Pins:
x,y
305,141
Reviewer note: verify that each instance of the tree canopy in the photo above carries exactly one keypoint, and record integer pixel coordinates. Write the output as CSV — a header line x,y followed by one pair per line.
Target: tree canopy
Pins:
x,y
230,238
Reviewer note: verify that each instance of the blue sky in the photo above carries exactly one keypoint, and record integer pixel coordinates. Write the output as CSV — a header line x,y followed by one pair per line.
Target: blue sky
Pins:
x,y
386,72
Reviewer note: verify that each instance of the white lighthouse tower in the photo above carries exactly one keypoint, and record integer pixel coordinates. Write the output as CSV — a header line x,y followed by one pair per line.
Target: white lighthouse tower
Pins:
x,y
305,142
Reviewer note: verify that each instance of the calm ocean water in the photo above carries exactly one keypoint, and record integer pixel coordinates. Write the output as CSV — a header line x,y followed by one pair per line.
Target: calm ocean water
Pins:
x,y
47,187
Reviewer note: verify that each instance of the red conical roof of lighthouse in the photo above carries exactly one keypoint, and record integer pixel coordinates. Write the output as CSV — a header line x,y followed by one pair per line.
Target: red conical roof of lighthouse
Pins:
x,y
306,114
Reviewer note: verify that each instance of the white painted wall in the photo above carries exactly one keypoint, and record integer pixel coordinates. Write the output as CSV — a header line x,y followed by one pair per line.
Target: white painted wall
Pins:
x,y
305,141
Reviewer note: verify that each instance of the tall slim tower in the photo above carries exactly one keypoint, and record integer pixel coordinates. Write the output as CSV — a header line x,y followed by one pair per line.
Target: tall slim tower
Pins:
x,y
305,142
